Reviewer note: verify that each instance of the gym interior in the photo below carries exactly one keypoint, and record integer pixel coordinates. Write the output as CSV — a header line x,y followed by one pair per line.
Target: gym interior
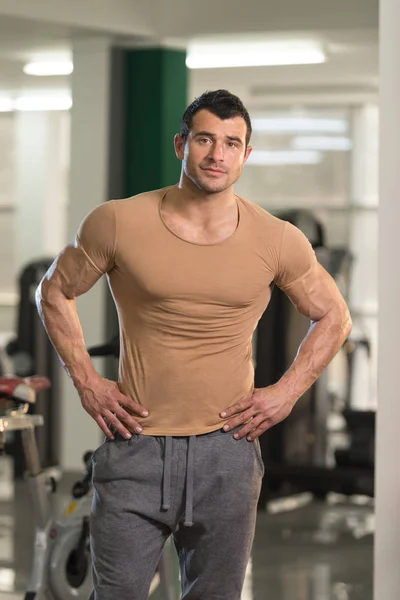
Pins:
x,y
81,133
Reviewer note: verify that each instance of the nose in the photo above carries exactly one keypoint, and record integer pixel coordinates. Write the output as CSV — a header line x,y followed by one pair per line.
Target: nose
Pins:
x,y
217,152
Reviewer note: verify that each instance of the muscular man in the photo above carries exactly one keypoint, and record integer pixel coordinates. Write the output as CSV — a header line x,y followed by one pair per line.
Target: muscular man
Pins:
x,y
191,268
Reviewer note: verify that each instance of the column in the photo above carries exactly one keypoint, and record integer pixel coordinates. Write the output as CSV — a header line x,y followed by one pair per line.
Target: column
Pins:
x,y
156,97
387,539
41,171
88,187
364,249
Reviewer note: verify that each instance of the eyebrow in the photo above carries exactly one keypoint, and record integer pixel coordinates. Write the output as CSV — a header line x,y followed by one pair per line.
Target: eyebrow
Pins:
x,y
232,138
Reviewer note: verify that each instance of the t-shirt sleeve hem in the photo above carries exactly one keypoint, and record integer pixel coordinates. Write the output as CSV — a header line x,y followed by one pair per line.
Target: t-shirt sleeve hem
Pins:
x,y
91,262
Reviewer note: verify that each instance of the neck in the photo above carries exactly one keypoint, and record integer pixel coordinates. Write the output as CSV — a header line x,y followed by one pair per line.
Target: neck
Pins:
x,y
187,198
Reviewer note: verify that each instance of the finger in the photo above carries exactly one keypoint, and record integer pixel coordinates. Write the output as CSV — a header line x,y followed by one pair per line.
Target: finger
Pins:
x,y
237,408
103,426
239,419
262,428
249,428
118,426
128,420
135,407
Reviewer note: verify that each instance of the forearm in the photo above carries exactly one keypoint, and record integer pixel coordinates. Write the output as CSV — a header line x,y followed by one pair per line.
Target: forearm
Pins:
x,y
60,319
322,342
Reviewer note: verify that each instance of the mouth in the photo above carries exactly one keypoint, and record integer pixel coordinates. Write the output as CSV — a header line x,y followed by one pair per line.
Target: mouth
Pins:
x,y
213,171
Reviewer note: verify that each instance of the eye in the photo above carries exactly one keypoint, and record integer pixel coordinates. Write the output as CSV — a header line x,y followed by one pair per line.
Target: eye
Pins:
x,y
203,140
232,144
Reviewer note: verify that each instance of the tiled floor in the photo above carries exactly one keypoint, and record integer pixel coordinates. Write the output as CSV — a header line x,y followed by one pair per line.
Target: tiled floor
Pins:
x,y
303,550
318,552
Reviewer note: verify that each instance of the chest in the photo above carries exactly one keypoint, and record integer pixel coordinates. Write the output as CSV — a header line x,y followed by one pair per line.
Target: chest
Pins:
x,y
225,275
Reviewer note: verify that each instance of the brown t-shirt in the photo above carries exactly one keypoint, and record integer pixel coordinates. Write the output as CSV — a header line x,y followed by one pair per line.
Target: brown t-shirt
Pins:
x,y
187,311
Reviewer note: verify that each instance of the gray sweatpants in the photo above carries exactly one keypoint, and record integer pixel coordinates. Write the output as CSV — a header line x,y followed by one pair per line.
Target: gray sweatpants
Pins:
x,y
202,490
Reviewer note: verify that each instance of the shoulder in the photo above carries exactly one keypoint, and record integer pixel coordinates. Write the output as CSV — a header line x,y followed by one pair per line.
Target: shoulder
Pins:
x,y
99,220
263,221
101,211
107,219
279,229
120,207
260,214
138,204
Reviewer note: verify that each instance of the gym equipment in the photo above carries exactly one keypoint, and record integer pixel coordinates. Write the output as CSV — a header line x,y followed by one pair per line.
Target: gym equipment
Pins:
x,y
61,567
360,451
23,348
61,559
31,352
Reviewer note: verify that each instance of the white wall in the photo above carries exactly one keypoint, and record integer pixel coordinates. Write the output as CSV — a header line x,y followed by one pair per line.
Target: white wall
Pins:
x,y
34,151
7,223
41,171
364,248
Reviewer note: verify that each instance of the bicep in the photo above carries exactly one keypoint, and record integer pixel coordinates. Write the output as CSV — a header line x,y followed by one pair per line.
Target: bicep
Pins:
x,y
71,274
316,294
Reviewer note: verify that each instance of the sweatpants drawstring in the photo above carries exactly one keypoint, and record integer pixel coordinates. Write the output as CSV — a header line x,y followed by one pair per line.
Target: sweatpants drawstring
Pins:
x,y
189,481
166,497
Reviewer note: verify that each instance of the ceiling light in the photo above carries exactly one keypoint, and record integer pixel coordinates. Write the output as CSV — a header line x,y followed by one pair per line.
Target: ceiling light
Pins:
x,y
284,157
212,55
46,69
6,105
298,125
26,103
328,143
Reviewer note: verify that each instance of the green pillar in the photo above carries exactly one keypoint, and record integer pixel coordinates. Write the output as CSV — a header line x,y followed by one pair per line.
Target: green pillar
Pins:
x,y
155,100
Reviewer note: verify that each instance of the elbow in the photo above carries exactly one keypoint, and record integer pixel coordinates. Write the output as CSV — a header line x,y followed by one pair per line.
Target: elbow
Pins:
x,y
340,320
39,295
44,291
43,299
347,323
48,293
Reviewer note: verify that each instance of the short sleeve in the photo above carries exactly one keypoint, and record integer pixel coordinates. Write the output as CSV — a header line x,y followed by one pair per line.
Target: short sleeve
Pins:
x,y
96,237
296,257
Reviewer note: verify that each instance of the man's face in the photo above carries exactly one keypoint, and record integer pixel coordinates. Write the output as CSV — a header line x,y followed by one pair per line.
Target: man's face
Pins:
x,y
214,153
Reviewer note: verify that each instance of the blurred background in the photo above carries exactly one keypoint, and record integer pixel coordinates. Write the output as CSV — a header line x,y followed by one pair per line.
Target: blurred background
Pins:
x,y
91,95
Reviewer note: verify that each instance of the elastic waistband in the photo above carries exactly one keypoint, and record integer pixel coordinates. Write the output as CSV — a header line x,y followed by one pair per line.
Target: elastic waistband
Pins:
x,y
214,433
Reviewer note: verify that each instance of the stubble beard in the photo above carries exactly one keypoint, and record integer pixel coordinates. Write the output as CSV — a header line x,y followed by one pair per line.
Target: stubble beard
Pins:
x,y
203,183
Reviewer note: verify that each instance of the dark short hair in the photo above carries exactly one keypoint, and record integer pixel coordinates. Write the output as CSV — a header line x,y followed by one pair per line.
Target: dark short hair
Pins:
x,y
220,103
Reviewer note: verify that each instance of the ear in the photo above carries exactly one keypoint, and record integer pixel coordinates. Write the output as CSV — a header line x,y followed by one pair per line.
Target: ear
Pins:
x,y
249,150
179,143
